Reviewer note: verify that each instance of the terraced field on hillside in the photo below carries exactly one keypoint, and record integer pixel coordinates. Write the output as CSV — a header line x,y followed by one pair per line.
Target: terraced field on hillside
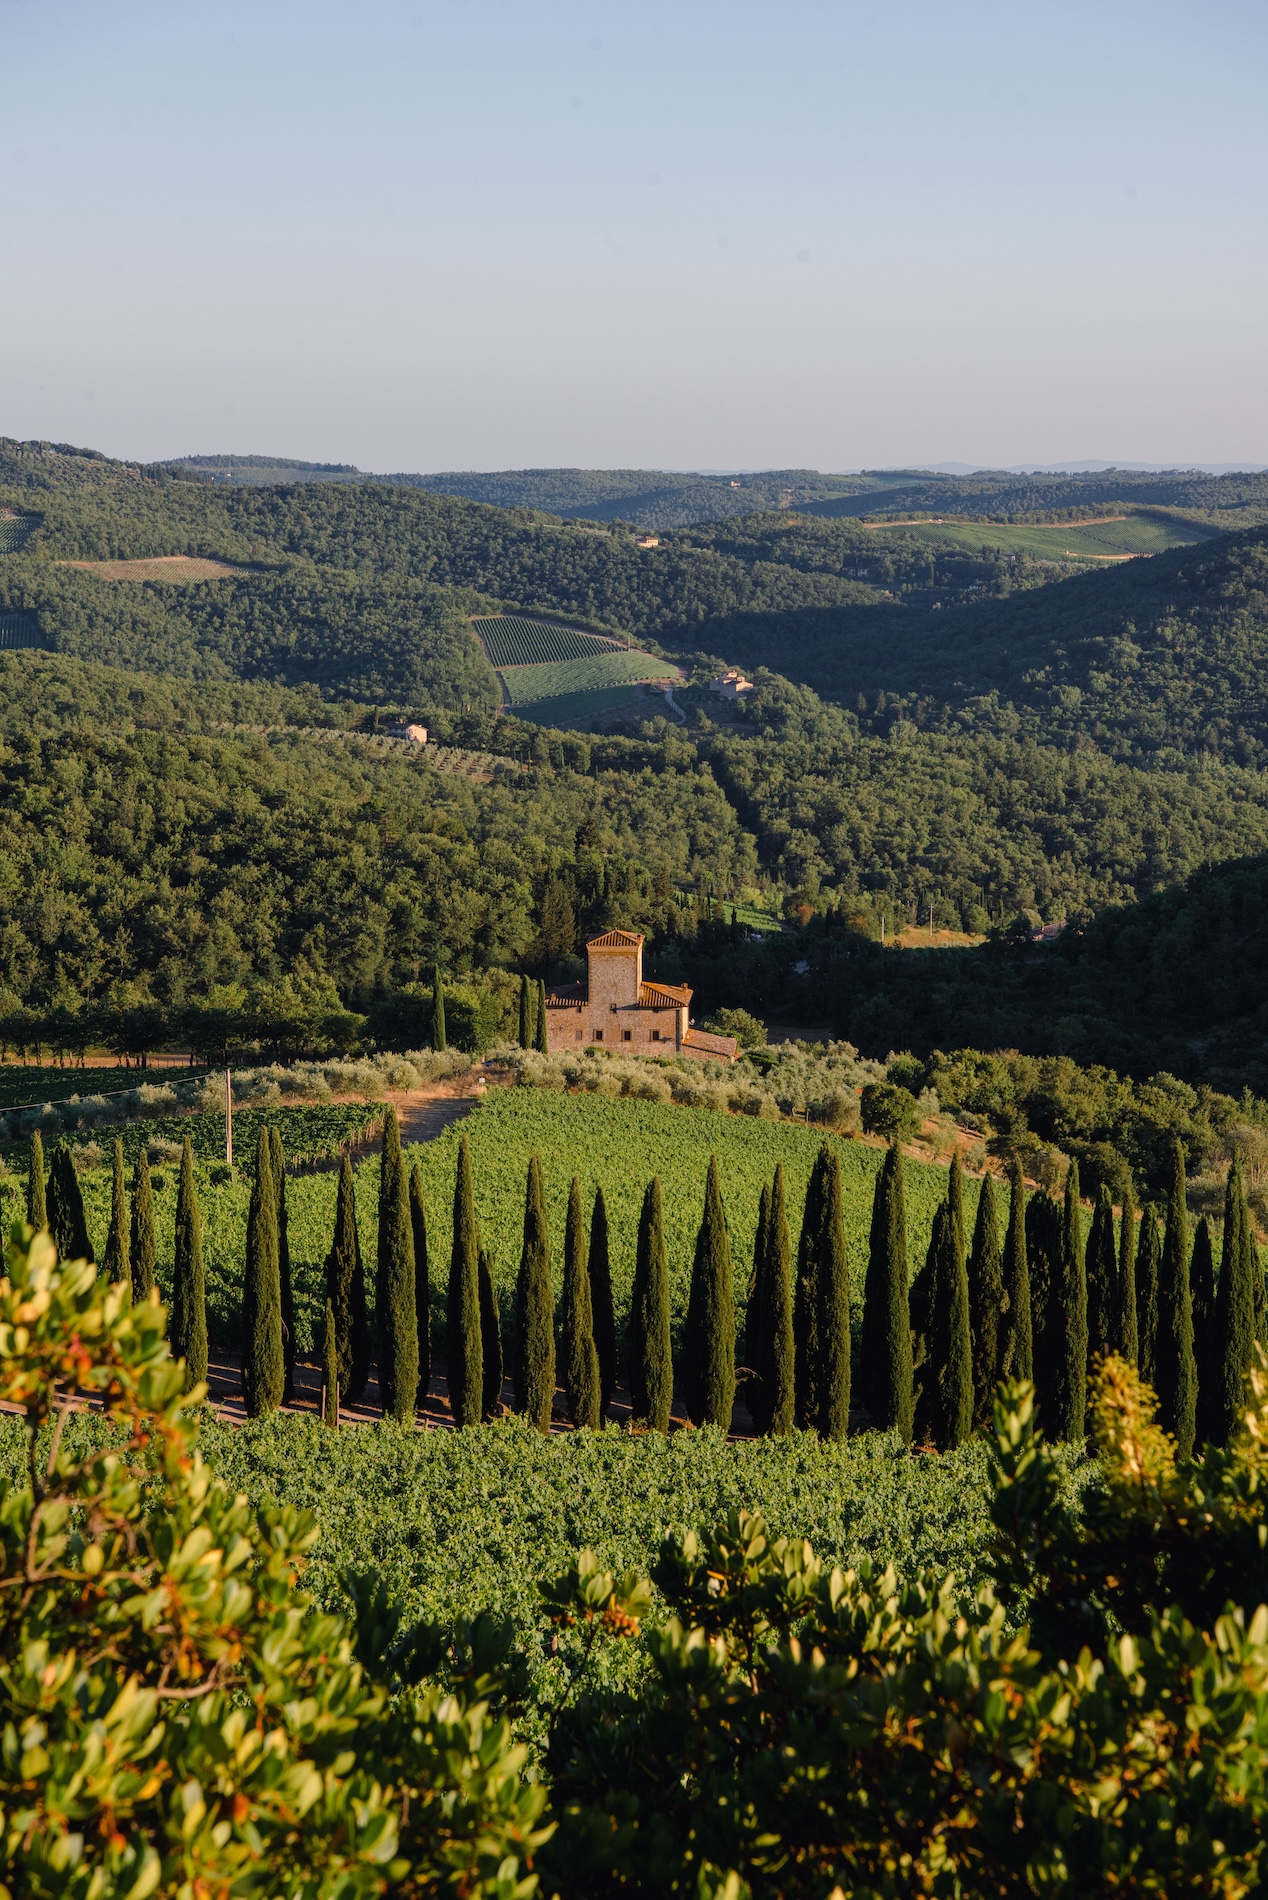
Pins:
x,y
537,662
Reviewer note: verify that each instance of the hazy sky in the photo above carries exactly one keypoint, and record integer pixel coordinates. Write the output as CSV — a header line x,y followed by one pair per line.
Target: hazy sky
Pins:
x,y
706,233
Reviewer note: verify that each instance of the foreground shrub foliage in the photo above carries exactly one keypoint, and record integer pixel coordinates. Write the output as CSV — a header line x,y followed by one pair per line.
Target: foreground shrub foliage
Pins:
x,y
175,1716
808,1732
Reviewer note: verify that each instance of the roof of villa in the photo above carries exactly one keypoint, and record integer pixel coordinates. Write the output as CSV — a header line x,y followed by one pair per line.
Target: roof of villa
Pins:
x,y
616,940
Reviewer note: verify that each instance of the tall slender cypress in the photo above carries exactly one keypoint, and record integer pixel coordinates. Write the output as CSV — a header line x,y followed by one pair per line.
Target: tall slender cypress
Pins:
x,y
755,1395
527,999
1250,1242
1068,1325
464,1345
602,1306
541,1040
834,1310
577,1351
1048,1320
986,1305
490,1341
330,1368
769,1348
345,1294
885,1359
1127,1335
438,1040
648,1339
1103,1302
1147,1252
117,1262
709,1341
278,1157
1177,1371
951,1343
142,1239
395,1294
1202,1295
36,1200
955,1201
534,1366
263,1365
1017,1360
1234,1322
422,1279
67,1224
189,1284
806,1303
922,1305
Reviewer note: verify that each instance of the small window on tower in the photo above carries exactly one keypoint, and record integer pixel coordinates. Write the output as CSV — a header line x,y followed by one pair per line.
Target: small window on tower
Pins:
x,y
598,1035
655,1035
625,1035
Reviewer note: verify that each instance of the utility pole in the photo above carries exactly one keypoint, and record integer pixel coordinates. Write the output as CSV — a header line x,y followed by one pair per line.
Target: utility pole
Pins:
x,y
228,1118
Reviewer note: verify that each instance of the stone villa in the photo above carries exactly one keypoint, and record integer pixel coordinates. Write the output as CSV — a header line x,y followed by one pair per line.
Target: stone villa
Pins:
x,y
618,1009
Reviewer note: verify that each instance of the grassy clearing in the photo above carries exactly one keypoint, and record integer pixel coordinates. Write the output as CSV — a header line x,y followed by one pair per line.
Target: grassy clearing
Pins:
x,y
582,709
1088,541
616,667
161,567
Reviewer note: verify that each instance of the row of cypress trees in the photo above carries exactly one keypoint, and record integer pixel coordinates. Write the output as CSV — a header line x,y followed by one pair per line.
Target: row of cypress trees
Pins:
x,y
532,1032
1039,1304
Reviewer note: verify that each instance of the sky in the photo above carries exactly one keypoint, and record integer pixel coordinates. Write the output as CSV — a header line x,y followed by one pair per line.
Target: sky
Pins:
x,y
690,233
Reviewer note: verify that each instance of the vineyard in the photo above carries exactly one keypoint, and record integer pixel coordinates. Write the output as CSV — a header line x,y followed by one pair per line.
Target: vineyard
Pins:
x,y
511,640
21,1084
617,667
18,630
577,709
16,531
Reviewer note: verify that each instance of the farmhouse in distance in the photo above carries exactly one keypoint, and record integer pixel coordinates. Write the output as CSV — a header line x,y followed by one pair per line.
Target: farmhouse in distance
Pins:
x,y
617,1008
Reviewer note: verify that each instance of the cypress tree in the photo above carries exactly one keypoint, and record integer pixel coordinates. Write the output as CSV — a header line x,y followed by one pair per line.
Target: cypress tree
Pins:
x,y
1017,1359
438,1041
36,1203
117,1262
1173,1355
709,1342
277,1156
65,1204
755,1319
834,1311
955,1201
345,1294
770,1323
534,1371
1067,1329
422,1279
541,1041
1127,1338
1251,1244
527,999
576,1321
602,1306
1048,1324
1234,1320
263,1365
951,1343
490,1342
464,1344
650,1361
1147,1296
189,1285
921,1304
142,1240
1202,1295
330,1368
885,1359
806,1304
1103,1302
395,1294
986,1305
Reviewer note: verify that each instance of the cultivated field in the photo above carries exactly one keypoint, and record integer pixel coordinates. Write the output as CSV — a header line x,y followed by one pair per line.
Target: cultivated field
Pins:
x,y
16,531
514,640
161,567
617,667
1116,539
18,630
583,710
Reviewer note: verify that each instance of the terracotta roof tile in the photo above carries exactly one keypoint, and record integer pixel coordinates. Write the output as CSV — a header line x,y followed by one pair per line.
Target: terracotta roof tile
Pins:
x,y
664,995
616,940
701,1043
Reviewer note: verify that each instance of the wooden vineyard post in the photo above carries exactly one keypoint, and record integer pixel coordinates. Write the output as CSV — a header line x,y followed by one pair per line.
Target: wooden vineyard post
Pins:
x,y
228,1118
